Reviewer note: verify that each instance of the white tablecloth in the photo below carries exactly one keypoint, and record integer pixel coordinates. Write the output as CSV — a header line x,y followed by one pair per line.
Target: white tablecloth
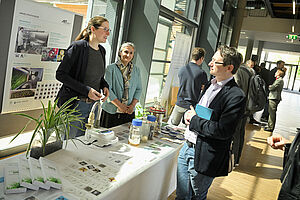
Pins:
x,y
120,171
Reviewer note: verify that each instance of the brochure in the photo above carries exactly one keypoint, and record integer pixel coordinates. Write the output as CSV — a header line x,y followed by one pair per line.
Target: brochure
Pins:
x,y
12,180
50,173
37,174
24,174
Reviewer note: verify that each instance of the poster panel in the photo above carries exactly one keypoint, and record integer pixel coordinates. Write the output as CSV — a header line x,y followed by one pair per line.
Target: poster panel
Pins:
x,y
40,34
180,57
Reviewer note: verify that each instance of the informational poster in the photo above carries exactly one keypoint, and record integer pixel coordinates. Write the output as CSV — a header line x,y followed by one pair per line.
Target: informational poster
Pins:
x,y
180,57
39,37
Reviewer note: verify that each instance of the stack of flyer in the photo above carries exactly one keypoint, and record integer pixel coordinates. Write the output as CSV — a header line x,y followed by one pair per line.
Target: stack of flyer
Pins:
x,y
31,174
12,183
24,174
37,174
50,173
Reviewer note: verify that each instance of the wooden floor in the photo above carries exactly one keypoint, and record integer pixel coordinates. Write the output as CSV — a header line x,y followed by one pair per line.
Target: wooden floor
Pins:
x,y
257,176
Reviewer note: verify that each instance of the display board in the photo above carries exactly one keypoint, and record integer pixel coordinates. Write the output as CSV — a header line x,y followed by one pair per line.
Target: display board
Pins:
x,y
39,37
180,56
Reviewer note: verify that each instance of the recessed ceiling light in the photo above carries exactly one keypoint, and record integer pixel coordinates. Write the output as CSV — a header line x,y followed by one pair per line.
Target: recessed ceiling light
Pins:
x,y
294,7
243,32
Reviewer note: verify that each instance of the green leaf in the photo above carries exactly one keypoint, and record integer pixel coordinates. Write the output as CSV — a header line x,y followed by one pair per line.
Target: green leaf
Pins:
x,y
40,179
21,131
52,119
33,136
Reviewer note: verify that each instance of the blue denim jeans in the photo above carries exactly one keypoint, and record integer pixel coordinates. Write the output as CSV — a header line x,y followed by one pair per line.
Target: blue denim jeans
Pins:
x,y
84,109
190,184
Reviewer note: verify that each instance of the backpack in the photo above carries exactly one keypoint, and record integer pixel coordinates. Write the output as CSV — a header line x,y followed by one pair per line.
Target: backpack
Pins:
x,y
257,93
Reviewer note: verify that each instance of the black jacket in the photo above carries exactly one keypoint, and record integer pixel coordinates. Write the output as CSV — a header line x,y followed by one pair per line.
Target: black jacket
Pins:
x,y
215,135
272,77
265,75
290,178
71,71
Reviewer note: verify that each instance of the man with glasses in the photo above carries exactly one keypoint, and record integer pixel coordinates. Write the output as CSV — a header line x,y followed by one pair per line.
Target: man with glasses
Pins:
x,y
205,154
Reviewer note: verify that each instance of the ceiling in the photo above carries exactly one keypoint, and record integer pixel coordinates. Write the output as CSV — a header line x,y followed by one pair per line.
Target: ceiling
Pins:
x,y
276,8
282,8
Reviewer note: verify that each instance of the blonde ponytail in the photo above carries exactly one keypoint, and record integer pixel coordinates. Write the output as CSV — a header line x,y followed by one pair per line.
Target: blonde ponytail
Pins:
x,y
83,35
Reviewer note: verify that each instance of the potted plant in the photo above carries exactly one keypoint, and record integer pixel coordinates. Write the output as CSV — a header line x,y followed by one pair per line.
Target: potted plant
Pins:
x,y
53,123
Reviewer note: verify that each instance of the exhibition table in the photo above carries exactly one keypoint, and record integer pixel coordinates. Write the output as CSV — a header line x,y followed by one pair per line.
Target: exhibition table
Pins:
x,y
119,171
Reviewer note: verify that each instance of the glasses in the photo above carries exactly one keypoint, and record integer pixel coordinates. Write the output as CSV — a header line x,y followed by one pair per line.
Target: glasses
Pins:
x,y
105,29
216,63
219,63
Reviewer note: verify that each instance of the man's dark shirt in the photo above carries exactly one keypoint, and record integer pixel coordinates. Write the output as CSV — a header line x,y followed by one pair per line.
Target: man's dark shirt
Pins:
x,y
265,75
272,75
191,79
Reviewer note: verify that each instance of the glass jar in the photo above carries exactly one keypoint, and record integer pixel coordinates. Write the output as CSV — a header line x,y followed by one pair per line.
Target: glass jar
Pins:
x,y
151,121
134,132
144,130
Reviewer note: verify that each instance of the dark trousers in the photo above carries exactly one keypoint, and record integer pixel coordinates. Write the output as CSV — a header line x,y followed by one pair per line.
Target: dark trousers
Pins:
x,y
238,139
110,120
265,114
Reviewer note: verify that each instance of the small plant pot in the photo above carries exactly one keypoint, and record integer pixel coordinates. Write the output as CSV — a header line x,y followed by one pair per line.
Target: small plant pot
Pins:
x,y
37,152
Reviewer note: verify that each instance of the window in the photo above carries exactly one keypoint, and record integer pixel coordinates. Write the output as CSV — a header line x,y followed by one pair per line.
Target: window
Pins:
x,y
178,6
162,54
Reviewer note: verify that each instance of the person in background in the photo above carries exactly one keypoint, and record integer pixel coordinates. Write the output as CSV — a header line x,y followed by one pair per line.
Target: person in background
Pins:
x,y
205,154
274,98
125,90
192,79
82,70
252,64
242,77
290,177
265,75
279,65
256,67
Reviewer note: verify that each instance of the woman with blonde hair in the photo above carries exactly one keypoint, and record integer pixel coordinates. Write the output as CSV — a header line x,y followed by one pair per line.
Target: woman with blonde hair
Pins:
x,y
82,70
125,89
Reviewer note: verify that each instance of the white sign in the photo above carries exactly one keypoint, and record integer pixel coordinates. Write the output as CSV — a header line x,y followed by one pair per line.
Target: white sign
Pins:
x,y
180,56
40,34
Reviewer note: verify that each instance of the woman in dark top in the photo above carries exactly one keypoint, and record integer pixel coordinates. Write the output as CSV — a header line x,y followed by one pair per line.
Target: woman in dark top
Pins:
x,y
82,70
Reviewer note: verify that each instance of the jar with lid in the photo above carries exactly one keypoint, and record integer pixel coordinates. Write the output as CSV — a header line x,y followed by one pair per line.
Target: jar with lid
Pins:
x,y
134,132
151,121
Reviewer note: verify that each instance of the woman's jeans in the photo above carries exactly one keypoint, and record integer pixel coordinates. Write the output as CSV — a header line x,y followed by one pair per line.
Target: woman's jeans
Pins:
x,y
84,109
